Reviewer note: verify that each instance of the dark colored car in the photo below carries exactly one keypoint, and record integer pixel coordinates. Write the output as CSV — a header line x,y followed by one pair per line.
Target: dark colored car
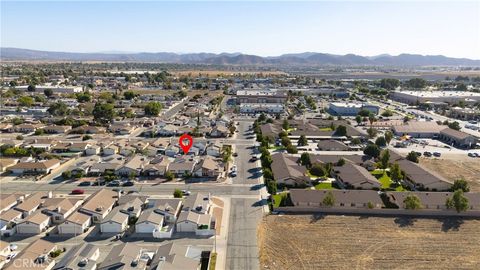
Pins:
x,y
253,159
437,154
129,184
427,154
85,184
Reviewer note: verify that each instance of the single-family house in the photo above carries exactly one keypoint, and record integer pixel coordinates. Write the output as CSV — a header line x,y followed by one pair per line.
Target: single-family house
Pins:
x,y
75,224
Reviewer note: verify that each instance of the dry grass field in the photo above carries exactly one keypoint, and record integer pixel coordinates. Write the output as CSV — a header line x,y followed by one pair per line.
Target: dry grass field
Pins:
x,y
352,242
216,73
455,169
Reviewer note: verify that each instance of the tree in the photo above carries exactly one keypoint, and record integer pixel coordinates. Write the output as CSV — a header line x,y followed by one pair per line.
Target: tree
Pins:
x,y
396,173
286,141
153,108
305,160
129,95
31,88
364,113
84,97
291,149
457,201
262,117
454,125
48,92
341,162
387,113
372,132
358,118
341,130
412,202
372,150
388,136
177,193
302,141
25,101
412,156
417,83
461,184
285,124
103,112
267,173
58,109
329,199
389,84
371,118
169,175
381,142
385,159
317,169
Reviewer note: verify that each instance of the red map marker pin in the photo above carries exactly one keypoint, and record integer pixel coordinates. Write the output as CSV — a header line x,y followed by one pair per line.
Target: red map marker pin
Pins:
x,y
185,142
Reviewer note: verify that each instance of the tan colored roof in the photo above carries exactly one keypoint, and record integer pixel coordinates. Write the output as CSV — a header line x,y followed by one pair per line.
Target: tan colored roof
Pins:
x,y
46,164
37,218
78,218
102,199
10,215
32,201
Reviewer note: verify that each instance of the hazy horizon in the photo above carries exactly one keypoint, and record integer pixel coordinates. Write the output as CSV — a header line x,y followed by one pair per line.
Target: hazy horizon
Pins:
x,y
451,29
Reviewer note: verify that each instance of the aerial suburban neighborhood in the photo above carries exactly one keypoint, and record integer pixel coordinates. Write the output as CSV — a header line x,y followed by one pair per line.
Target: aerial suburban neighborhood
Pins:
x,y
156,160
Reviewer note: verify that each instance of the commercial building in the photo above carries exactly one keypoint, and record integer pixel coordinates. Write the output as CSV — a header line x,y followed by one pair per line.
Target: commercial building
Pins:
x,y
350,109
451,97
261,96
262,107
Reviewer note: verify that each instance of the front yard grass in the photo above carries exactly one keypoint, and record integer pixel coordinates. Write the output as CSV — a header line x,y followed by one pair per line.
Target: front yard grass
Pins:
x,y
277,199
324,185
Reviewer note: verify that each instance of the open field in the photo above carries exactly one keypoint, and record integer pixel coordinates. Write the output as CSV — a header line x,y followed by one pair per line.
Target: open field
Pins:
x,y
455,169
352,242
215,73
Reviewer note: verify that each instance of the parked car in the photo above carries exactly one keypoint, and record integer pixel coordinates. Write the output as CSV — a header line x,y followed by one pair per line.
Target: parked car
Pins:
x,y
185,192
476,154
11,256
85,184
129,184
427,154
437,154
471,154
113,183
233,174
78,191
253,159
419,154
234,168
235,154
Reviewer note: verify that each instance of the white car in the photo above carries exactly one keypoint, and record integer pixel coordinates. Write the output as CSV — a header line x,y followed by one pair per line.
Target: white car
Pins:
x,y
234,168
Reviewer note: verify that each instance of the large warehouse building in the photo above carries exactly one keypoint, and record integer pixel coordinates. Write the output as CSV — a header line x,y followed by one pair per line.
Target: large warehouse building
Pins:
x,y
451,97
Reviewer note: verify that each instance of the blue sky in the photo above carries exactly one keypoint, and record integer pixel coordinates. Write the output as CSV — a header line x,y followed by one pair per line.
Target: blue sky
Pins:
x,y
262,28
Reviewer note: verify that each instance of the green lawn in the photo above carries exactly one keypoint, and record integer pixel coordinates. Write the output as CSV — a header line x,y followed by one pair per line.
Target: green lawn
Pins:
x,y
277,148
324,185
277,199
385,180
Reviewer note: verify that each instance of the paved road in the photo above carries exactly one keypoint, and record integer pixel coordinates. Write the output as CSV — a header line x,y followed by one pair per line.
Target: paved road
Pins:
x,y
242,249
245,213
170,113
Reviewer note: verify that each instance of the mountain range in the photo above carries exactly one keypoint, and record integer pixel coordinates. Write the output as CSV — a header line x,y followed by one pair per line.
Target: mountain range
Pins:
x,y
306,58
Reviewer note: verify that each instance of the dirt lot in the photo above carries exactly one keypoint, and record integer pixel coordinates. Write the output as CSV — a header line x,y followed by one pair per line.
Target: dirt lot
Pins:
x,y
455,169
352,242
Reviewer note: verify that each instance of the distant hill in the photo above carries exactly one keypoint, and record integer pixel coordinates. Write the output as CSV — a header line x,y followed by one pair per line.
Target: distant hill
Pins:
x,y
306,58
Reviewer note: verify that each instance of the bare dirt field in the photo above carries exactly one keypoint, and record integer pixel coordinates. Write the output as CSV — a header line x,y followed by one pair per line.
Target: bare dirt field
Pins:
x,y
455,169
352,242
